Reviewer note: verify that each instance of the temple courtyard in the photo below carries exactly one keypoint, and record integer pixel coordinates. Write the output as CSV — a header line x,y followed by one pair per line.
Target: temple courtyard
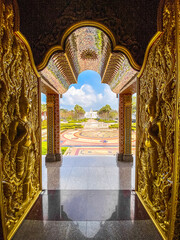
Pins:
x,y
95,138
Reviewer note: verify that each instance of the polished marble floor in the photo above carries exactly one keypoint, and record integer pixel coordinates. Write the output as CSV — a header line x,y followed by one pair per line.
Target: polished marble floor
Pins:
x,y
89,197
88,172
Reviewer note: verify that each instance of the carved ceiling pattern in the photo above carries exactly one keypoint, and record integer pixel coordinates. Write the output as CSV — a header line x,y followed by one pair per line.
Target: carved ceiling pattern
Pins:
x,y
58,73
133,22
120,71
87,48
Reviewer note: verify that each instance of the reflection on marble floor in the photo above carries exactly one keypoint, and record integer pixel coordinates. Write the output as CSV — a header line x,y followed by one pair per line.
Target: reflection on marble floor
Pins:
x,y
89,172
88,205
89,197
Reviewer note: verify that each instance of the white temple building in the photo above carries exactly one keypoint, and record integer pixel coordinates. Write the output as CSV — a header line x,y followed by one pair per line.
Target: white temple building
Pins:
x,y
91,114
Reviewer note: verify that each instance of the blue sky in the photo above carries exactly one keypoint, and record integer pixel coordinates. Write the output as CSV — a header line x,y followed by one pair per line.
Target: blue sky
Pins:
x,y
88,93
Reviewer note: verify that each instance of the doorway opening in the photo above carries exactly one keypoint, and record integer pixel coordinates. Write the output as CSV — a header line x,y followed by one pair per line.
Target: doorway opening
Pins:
x,y
89,117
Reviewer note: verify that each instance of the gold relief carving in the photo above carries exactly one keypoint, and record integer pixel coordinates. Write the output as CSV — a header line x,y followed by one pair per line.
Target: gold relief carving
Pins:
x,y
19,125
175,214
157,98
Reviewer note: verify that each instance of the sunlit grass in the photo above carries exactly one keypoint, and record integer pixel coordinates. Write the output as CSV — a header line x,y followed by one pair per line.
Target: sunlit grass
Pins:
x,y
44,149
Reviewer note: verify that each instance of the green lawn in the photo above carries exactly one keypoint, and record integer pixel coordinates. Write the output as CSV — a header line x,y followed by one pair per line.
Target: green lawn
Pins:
x,y
65,126
44,149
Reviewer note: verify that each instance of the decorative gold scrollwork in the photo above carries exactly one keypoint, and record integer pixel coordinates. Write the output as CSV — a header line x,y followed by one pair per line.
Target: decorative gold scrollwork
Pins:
x,y
19,123
157,123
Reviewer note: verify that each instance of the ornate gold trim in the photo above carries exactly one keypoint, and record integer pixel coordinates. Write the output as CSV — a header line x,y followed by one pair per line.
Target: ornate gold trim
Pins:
x,y
152,41
11,234
152,217
128,55
24,40
102,27
89,24
52,50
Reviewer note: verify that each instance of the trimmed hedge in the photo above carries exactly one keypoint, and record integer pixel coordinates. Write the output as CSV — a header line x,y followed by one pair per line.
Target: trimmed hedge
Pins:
x,y
106,121
70,126
78,121
64,126
116,125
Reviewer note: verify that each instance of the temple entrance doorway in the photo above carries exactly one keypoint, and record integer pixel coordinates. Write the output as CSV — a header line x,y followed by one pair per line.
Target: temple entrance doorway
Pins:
x,y
89,117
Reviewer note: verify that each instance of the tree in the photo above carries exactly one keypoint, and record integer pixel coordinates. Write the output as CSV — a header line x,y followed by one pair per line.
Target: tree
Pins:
x,y
79,111
104,111
66,115
113,114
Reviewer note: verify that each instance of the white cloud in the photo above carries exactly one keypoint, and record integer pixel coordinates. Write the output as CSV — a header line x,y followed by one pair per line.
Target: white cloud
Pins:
x,y
85,96
88,98
109,98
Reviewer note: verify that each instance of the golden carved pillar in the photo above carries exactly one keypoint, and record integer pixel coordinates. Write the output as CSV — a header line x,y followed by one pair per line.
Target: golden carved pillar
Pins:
x,y
53,128
125,119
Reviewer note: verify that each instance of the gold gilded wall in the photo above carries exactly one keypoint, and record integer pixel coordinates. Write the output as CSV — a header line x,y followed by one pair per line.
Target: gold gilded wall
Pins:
x,y
157,111
19,125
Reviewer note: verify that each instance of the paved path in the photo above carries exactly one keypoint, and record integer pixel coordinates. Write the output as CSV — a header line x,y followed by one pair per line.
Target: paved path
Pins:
x,y
94,139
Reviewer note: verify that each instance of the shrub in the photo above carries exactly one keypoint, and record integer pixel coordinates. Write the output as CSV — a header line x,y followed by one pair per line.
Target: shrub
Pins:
x,y
78,121
70,126
116,125
106,121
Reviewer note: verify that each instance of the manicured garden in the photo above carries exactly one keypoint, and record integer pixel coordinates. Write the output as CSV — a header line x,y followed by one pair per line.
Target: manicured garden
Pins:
x,y
106,121
73,124
116,125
